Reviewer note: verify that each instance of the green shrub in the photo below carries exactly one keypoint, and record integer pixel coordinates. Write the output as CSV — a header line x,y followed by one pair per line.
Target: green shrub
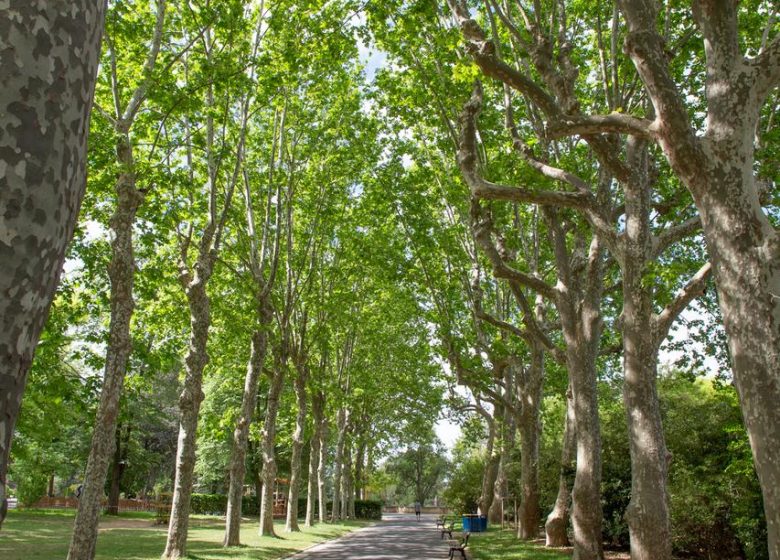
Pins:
x,y
216,504
31,486
368,509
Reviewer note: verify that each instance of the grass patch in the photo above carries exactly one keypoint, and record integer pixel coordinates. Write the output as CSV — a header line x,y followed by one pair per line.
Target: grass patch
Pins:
x,y
496,544
39,534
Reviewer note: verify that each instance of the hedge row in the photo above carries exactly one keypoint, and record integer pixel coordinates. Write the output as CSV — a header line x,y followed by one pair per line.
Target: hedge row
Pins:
x,y
216,504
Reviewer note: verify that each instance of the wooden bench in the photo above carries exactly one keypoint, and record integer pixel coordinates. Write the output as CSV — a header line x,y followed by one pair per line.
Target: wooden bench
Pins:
x,y
460,547
441,521
447,530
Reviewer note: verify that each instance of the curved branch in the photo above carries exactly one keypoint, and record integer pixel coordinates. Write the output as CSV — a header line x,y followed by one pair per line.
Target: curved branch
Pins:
x,y
766,70
693,289
672,235
480,188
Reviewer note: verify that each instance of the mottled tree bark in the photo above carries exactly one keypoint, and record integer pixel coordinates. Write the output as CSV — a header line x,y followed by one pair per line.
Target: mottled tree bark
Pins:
x,y
189,407
297,445
530,383
241,432
581,328
269,443
47,80
558,519
493,456
504,426
348,486
121,272
194,280
312,495
648,510
338,462
718,170
322,495
360,470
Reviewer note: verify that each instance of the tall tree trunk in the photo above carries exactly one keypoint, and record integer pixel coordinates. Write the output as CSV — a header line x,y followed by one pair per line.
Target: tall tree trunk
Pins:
x,y
189,406
118,469
50,489
718,170
745,253
530,395
269,443
579,307
338,464
586,494
648,510
318,413
491,468
322,495
297,447
47,84
748,281
241,432
360,459
507,443
348,486
558,519
121,272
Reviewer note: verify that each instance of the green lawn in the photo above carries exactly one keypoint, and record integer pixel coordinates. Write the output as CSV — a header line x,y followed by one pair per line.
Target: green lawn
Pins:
x,y
46,534
496,544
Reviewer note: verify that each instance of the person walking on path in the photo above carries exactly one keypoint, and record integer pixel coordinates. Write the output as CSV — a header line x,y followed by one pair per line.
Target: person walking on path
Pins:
x,y
417,510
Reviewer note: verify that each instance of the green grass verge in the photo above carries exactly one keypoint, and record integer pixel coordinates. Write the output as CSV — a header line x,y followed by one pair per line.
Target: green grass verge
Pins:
x,y
31,534
496,544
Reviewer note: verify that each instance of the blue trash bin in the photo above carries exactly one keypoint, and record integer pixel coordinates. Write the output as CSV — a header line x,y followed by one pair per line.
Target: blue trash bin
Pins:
x,y
474,523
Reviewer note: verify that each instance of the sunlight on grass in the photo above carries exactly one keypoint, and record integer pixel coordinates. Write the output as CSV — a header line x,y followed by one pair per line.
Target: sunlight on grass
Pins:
x,y
45,535
503,545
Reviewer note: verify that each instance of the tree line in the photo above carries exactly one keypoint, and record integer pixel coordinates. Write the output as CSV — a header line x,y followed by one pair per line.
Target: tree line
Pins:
x,y
522,202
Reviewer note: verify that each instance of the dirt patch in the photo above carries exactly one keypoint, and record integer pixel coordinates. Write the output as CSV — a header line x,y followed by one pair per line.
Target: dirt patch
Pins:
x,y
125,523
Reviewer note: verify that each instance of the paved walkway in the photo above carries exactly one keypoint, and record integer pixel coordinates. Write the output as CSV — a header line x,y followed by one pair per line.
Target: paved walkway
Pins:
x,y
396,536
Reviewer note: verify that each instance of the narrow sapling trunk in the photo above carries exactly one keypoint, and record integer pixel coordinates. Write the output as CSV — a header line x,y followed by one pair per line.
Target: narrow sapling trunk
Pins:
x,y
47,82
117,470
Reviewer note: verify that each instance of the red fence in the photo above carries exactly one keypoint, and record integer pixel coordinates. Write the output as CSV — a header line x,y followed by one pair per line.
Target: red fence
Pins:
x,y
73,503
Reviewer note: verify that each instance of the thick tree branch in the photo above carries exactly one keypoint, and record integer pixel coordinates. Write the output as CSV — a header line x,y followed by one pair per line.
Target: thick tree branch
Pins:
x,y
614,123
482,233
674,132
693,289
766,70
